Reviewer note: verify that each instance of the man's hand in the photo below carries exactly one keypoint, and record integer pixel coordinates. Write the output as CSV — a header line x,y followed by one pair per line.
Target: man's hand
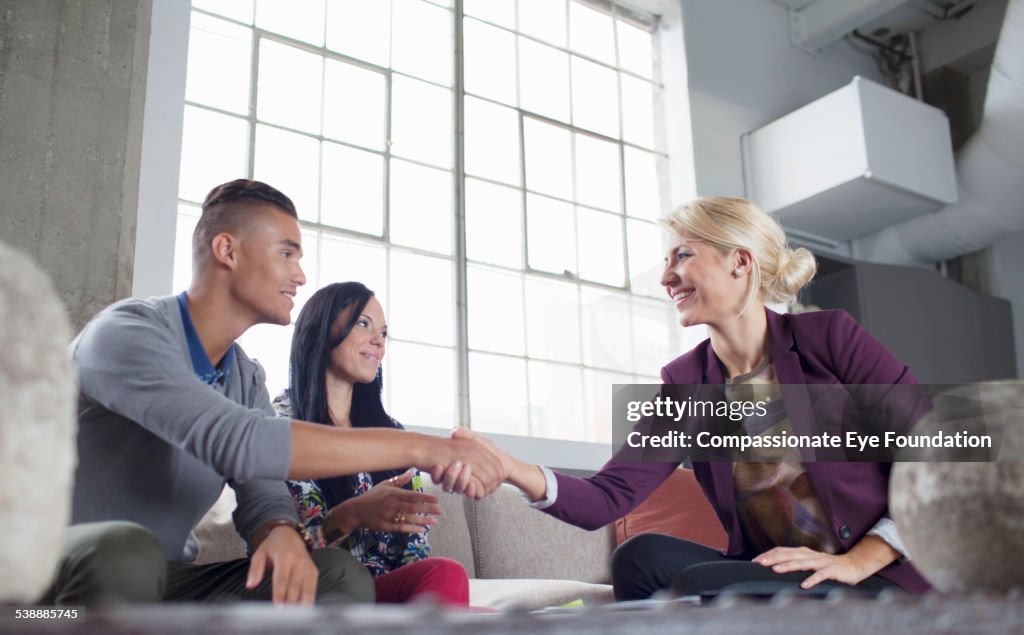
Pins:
x,y
295,575
528,477
465,465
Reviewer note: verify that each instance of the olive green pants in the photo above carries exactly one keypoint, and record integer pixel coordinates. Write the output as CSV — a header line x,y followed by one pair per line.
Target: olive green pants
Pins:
x,y
112,562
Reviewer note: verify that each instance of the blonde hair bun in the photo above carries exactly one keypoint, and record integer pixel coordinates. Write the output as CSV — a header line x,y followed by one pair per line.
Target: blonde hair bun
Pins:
x,y
796,267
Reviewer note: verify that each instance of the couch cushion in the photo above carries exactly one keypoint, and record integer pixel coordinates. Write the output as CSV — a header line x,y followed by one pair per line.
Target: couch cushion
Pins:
x,y
449,538
531,595
677,508
216,534
505,529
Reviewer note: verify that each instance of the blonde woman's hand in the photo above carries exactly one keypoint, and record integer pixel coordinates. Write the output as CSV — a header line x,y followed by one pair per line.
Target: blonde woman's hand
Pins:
x,y
863,560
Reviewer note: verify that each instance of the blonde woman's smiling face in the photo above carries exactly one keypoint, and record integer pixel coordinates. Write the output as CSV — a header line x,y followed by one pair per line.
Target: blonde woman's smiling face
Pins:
x,y
701,281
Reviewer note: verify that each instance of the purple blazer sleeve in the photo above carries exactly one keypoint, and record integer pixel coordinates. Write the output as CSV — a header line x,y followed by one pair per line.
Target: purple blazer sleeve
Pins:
x,y
615,490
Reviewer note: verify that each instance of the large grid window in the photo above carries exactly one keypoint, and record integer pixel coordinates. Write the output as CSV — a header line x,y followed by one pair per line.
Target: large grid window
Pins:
x,y
519,270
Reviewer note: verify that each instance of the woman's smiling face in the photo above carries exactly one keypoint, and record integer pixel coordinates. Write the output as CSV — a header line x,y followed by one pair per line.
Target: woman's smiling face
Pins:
x,y
702,281
359,355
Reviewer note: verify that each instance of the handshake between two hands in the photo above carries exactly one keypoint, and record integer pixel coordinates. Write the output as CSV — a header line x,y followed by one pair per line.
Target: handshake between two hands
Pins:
x,y
471,464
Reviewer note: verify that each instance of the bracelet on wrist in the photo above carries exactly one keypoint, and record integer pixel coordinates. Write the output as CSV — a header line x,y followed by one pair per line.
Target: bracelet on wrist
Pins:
x,y
261,534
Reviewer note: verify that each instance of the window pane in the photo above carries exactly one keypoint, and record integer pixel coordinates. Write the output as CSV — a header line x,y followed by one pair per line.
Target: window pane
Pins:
x,y
355,105
543,80
501,12
421,207
556,401
421,122
271,345
494,224
495,310
497,394
548,158
638,111
689,337
343,259
543,19
188,216
421,41
240,10
598,174
360,29
645,257
597,402
642,199
300,20
290,87
551,234
552,320
492,141
422,301
653,323
600,247
213,151
352,192
219,61
590,33
636,51
490,62
594,97
422,383
606,329
291,163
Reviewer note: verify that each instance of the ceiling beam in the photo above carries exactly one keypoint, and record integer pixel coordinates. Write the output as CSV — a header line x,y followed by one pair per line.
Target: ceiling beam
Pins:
x,y
794,4
823,22
946,42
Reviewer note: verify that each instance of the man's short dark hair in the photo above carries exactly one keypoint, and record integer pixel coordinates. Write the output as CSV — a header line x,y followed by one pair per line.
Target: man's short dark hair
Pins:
x,y
229,206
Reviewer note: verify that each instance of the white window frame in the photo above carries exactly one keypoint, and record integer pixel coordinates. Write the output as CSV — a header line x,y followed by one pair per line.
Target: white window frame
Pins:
x,y
161,155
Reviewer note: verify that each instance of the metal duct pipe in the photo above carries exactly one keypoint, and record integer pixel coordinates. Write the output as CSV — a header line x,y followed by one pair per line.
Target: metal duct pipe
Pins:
x,y
990,171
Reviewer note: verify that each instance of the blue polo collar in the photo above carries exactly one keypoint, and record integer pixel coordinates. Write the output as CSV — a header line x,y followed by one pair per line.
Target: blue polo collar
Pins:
x,y
201,364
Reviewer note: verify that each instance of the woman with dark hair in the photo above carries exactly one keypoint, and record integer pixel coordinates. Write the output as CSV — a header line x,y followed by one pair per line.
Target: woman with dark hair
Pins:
x,y
382,518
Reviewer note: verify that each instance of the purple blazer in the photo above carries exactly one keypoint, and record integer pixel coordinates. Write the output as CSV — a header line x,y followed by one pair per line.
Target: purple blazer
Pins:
x,y
823,347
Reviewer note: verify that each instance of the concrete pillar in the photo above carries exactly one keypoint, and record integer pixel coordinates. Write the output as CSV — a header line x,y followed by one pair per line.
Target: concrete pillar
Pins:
x,y
72,89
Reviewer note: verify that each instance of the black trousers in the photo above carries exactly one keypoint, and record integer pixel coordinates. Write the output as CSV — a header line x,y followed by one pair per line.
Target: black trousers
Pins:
x,y
648,563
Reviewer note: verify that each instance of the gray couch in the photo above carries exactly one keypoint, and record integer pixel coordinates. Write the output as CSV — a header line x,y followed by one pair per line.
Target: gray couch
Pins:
x,y
515,556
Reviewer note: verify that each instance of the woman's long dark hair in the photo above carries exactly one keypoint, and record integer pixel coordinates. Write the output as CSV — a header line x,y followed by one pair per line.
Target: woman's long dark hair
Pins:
x,y
312,344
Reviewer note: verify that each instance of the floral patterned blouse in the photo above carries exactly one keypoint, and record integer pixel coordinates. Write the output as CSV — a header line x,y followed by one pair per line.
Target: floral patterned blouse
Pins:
x,y
380,551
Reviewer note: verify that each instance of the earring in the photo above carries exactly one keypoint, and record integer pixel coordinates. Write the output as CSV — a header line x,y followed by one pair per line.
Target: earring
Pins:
x,y
737,272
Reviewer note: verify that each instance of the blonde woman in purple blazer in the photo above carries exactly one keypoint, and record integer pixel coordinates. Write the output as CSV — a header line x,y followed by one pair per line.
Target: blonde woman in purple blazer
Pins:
x,y
791,523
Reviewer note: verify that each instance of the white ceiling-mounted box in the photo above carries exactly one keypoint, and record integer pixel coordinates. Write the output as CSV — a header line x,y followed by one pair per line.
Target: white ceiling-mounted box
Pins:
x,y
859,159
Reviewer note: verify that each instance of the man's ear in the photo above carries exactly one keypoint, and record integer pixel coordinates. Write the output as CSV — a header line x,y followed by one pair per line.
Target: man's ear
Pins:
x,y
225,250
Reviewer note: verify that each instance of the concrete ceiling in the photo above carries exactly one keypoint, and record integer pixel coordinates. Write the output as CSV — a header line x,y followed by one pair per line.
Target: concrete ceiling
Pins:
x,y
957,34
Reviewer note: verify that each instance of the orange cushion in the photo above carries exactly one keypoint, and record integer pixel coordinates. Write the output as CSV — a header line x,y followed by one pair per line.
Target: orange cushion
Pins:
x,y
677,508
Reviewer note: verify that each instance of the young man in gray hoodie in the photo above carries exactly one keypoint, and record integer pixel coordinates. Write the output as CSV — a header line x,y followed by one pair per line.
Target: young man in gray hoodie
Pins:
x,y
171,409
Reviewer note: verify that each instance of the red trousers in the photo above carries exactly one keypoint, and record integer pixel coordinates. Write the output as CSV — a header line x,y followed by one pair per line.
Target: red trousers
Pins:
x,y
443,579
